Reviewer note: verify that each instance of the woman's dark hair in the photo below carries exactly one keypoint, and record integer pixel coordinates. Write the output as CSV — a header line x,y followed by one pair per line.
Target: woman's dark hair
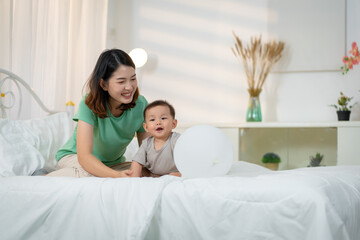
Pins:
x,y
160,103
108,62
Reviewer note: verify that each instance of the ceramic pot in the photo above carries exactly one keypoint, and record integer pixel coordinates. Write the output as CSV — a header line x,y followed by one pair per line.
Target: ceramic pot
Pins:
x,y
343,115
272,166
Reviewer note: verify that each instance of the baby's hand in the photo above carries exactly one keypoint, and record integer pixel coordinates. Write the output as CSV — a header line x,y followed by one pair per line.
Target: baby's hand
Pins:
x,y
176,174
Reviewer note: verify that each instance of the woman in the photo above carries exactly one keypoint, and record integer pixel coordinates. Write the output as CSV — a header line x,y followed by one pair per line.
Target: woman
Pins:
x,y
108,118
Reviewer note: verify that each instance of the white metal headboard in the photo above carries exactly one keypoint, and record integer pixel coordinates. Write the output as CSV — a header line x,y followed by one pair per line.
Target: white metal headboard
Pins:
x,y
11,96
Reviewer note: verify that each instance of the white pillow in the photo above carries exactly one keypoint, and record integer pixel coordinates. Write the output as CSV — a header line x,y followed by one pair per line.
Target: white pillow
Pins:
x,y
131,150
27,145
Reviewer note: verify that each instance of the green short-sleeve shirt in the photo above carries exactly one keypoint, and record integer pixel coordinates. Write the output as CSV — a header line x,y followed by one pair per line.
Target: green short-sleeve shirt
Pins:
x,y
111,134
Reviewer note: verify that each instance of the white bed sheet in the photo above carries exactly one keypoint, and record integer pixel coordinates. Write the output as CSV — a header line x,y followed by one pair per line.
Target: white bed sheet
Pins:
x,y
251,202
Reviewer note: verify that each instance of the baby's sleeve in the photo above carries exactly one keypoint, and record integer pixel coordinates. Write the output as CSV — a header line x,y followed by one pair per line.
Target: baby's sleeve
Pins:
x,y
140,155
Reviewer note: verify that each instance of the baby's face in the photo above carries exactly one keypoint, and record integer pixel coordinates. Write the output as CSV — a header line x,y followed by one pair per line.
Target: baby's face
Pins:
x,y
159,122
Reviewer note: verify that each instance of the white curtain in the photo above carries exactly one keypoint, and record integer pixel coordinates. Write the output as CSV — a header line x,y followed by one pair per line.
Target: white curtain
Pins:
x,y
53,45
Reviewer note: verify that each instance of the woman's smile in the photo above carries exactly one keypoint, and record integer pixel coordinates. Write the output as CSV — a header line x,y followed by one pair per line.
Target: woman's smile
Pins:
x,y
128,95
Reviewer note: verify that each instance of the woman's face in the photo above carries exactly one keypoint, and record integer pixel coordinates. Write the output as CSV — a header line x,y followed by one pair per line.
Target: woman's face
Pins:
x,y
121,86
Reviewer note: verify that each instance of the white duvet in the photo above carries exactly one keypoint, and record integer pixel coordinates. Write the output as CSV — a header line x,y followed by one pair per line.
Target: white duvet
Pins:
x,y
249,203
322,203
69,208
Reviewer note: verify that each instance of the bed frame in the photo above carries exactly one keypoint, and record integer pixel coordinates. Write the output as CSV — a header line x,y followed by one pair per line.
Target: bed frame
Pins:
x,y
7,104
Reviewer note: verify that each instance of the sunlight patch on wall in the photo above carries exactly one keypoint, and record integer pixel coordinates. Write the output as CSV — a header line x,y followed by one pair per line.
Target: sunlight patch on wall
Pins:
x,y
196,69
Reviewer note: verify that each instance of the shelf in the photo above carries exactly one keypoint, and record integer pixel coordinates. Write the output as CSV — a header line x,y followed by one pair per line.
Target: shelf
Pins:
x,y
277,124
296,141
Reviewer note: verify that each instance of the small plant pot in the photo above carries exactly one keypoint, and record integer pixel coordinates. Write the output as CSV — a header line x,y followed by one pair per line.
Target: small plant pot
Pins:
x,y
315,162
272,166
343,115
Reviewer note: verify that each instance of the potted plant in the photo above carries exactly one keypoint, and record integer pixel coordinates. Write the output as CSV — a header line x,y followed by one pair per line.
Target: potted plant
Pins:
x,y
271,160
257,59
343,107
316,160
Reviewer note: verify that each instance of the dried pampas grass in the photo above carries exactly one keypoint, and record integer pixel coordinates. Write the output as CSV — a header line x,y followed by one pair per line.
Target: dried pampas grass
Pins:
x,y
257,59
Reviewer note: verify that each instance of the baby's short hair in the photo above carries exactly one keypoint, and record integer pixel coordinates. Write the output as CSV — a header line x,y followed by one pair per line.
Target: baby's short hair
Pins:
x,y
160,103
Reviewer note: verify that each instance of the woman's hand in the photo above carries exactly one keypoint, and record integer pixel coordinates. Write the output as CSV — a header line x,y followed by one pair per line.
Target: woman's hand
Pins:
x,y
125,173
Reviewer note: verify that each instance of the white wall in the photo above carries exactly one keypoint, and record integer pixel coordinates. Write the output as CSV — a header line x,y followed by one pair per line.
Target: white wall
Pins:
x,y
191,64
119,25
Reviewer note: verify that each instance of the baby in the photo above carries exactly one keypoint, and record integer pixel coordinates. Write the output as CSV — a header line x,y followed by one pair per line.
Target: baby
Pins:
x,y
155,156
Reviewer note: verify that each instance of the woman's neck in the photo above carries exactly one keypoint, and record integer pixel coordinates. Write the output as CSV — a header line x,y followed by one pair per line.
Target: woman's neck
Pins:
x,y
116,111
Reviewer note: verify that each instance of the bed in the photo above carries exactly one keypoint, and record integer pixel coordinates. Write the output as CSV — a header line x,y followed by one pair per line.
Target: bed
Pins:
x,y
250,202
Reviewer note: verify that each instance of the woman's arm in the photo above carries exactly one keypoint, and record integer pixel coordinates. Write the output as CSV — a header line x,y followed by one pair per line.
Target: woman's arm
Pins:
x,y
141,136
87,160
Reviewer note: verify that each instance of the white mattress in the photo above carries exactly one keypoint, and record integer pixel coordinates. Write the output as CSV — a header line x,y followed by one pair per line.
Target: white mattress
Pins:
x,y
251,202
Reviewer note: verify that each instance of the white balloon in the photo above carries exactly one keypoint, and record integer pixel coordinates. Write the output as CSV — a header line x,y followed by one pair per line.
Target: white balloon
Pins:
x,y
203,151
